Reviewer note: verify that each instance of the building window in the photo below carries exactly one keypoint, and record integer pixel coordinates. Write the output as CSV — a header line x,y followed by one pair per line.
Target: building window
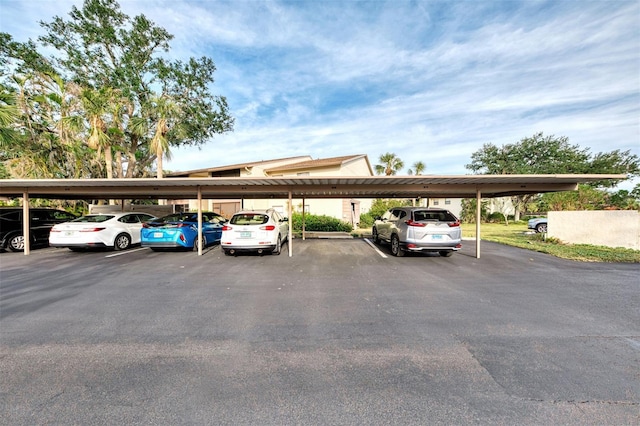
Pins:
x,y
436,202
447,201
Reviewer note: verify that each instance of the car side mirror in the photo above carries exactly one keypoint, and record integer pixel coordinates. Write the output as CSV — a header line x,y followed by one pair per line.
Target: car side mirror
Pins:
x,y
284,219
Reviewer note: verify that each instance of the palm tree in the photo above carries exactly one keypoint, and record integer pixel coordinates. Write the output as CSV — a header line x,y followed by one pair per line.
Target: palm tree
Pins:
x,y
165,109
390,164
8,115
96,105
418,168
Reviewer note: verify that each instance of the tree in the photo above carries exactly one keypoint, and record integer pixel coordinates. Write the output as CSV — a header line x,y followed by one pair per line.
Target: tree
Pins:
x,y
585,198
391,164
418,168
102,50
541,154
468,212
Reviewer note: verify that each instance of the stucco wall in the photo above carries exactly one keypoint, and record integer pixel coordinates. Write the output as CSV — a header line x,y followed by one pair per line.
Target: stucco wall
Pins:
x,y
612,228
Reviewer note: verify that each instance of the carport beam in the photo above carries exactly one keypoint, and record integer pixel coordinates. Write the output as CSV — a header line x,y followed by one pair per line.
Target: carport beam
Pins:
x,y
478,210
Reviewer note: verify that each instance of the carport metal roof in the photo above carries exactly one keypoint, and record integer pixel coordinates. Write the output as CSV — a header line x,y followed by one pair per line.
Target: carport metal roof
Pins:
x,y
461,186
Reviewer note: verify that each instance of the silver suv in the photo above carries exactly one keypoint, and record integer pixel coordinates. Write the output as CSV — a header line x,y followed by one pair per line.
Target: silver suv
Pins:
x,y
417,229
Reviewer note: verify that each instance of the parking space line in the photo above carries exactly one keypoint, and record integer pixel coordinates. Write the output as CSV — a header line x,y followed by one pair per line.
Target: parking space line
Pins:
x,y
375,248
120,253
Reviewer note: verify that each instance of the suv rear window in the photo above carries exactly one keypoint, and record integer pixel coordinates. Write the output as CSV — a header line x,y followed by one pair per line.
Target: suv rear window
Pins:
x,y
422,215
249,219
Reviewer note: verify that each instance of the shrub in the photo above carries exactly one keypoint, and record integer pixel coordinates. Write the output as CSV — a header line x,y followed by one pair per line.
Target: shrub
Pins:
x,y
366,220
319,223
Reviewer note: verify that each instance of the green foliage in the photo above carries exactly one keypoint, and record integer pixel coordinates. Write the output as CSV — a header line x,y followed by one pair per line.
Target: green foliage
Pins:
x,y
366,220
585,198
93,104
625,200
468,212
381,205
541,154
319,223
418,168
390,164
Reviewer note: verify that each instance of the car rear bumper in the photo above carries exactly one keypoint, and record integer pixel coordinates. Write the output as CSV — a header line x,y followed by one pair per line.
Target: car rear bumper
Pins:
x,y
78,245
450,246
255,247
163,244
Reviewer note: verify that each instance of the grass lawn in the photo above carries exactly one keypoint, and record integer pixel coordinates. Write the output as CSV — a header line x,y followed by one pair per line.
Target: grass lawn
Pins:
x,y
517,234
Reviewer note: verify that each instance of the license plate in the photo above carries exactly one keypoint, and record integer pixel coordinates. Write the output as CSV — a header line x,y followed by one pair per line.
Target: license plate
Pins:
x,y
158,235
436,237
245,235
68,233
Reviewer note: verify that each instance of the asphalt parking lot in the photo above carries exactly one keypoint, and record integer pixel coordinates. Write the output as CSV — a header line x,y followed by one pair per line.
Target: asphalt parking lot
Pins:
x,y
338,334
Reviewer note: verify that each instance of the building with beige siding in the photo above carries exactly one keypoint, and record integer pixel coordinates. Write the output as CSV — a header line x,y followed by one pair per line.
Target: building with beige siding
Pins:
x,y
347,209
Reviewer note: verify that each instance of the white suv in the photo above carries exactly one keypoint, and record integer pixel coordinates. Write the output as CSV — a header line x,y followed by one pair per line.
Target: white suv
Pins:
x,y
255,230
416,229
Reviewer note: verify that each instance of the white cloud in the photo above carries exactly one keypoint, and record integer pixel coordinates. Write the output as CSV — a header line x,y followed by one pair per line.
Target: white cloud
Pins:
x,y
430,81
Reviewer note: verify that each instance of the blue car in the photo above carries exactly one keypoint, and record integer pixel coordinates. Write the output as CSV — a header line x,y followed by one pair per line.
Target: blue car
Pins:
x,y
180,230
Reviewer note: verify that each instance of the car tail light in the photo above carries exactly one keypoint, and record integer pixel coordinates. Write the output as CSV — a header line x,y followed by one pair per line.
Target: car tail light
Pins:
x,y
54,229
182,238
454,224
92,229
268,227
227,228
146,225
414,223
182,225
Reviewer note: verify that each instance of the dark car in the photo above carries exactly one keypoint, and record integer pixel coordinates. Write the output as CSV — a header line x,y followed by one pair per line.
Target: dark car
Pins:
x,y
42,220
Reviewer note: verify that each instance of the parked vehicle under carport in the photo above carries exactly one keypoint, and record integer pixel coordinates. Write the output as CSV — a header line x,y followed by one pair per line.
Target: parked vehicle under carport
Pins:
x,y
418,229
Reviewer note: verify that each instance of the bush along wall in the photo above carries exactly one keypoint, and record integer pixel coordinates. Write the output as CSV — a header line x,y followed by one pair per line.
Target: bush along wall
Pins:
x,y
314,223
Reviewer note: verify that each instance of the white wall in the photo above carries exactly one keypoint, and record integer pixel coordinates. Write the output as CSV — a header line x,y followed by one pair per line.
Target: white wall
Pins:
x,y
611,228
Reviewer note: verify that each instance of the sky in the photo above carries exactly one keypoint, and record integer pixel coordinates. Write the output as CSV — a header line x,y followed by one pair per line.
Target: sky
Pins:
x,y
429,81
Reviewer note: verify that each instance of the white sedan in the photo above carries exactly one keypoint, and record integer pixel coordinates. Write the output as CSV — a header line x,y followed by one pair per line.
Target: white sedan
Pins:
x,y
113,230
255,230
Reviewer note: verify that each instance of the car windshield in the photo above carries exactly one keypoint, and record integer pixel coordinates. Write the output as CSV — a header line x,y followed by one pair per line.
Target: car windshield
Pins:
x,y
249,219
422,215
94,218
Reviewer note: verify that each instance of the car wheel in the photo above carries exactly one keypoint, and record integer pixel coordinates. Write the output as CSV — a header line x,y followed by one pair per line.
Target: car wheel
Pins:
x,y
446,253
278,248
199,242
122,242
375,236
541,227
16,243
395,246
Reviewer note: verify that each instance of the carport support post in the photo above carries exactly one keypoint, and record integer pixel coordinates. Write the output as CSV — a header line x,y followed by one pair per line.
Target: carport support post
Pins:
x,y
303,234
290,236
478,211
199,221
26,222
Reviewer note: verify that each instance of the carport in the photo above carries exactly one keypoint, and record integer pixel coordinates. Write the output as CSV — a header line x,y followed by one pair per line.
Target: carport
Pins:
x,y
239,188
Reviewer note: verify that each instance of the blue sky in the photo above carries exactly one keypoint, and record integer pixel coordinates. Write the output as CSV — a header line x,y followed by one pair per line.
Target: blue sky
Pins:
x,y
430,81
